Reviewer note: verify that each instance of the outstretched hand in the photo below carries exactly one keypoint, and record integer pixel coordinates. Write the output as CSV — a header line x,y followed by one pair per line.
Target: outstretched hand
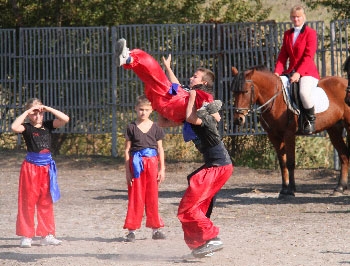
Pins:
x,y
166,61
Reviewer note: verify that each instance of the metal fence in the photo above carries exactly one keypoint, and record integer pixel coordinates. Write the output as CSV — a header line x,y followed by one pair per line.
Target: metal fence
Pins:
x,y
74,70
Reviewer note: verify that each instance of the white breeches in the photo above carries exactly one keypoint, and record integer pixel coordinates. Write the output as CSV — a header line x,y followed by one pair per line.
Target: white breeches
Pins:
x,y
307,85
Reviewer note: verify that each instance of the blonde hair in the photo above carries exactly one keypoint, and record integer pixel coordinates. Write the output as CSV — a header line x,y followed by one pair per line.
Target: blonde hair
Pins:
x,y
142,100
31,102
296,9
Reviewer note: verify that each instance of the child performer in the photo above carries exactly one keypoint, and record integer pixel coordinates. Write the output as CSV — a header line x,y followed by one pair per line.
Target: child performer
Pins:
x,y
200,234
167,98
38,187
143,151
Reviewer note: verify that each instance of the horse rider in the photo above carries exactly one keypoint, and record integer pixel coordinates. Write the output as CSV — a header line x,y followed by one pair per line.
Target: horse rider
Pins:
x,y
299,46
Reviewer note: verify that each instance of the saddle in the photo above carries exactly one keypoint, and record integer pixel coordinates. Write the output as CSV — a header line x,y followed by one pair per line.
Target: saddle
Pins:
x,y
296,102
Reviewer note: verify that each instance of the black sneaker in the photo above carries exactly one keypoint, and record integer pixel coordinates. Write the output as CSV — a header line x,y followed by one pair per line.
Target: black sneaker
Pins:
x,y
208,248
130,237
158,235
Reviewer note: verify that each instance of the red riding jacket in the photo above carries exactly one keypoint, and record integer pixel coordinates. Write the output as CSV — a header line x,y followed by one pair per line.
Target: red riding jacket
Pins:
x,y
301,54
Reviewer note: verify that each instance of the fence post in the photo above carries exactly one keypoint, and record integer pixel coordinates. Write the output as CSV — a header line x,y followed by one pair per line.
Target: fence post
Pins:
x,y
114,96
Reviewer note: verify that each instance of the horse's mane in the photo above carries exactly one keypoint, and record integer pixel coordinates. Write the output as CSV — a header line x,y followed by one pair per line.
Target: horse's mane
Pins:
x,y
239,80
262,68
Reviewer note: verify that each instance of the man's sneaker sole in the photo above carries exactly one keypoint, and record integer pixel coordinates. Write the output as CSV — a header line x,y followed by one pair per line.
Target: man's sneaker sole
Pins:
x,y
120,58
208,249
214,106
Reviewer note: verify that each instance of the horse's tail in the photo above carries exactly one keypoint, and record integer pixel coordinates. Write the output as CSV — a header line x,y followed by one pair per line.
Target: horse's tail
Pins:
x,y
347,70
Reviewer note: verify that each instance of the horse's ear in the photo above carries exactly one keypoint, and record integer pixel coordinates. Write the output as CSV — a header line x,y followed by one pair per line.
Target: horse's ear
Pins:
x,y
234,71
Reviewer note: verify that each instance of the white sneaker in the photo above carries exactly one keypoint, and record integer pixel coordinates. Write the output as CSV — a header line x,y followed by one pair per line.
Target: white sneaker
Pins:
x,y
50,240
26,242
122,52
208,249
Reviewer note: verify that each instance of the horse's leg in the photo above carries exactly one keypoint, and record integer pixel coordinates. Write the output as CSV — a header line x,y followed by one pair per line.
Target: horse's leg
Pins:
x,y
280,148
289,139
336,136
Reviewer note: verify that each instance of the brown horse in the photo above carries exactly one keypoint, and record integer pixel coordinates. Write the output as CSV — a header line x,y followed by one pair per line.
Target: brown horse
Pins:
x,y
262,87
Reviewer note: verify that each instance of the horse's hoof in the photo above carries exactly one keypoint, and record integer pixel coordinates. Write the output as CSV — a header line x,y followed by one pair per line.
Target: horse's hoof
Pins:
x,y
286,196
336,194
339,191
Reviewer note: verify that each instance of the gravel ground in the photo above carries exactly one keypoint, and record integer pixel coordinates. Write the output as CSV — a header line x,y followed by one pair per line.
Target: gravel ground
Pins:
x,y
256,227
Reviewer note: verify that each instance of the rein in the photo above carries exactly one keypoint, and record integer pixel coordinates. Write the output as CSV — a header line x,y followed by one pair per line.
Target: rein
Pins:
x,y
251,109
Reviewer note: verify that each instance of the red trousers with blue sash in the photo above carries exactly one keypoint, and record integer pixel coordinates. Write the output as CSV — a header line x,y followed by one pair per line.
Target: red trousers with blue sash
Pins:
x,y
143,197
34,192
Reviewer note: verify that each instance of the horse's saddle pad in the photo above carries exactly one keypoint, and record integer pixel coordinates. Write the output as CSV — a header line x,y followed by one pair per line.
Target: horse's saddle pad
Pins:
x,y
320,98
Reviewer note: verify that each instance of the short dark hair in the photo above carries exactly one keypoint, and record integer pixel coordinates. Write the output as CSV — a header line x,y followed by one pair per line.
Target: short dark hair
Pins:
x,y
31,102
208,76
142,100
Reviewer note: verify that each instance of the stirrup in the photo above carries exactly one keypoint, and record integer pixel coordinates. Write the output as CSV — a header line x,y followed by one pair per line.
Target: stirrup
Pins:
x,y
309,127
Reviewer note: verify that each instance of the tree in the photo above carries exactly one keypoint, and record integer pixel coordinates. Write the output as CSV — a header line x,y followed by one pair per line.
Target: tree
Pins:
x,y
339,8
49,13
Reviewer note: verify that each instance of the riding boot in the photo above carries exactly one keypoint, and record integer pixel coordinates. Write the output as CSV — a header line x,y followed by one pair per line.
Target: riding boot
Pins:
x,y
309,124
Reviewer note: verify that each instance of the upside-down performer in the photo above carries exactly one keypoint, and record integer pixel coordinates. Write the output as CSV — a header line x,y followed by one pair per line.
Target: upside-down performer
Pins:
x,y
168,99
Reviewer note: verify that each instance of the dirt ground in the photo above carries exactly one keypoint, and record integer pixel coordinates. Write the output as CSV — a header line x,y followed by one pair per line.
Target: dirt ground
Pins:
x,y
256,227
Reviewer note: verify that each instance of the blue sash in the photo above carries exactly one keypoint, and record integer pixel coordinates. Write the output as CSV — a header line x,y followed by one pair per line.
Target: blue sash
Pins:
x,y
173,89
187,132
137,163
42,159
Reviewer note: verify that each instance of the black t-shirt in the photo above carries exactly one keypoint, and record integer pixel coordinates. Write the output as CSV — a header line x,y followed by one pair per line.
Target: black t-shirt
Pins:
x,y
209,143
38,139
140,140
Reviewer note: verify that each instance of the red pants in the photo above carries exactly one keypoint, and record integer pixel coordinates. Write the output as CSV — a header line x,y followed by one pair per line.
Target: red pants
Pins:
x,y
204,184
143,195
157,85
34,192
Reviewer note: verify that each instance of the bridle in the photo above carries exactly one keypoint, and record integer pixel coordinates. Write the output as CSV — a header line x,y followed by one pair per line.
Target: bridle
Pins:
x,y
252,109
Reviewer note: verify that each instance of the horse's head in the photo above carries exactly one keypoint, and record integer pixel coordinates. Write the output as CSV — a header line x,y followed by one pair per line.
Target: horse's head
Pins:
x,y
347,70
243,93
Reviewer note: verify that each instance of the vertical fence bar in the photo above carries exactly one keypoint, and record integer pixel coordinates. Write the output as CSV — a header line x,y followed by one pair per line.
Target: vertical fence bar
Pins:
x,y
74,68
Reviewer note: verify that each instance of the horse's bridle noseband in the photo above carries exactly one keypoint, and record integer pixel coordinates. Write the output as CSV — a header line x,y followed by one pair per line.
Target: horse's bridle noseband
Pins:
x,y
252,109
246,111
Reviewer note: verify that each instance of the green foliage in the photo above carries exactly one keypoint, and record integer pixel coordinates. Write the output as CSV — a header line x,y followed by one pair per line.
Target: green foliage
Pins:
x,y
61,13
340,9
313,152
251,151
236,11
257,152
247,151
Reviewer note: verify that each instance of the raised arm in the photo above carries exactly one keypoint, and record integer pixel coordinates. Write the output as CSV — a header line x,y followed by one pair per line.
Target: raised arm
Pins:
x,y
60,118
169,71
17,125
